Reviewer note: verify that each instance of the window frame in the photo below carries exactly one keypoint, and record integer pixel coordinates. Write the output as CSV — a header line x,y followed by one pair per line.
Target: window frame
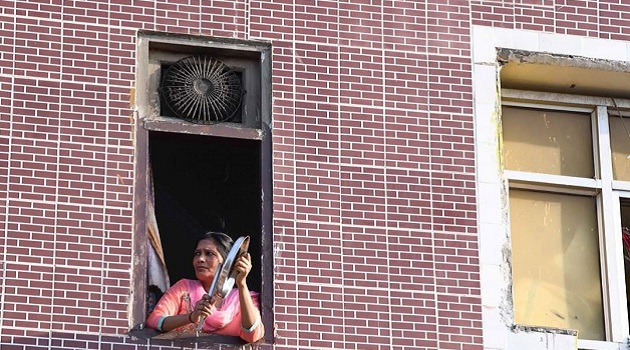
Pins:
x,y
606,190
147,119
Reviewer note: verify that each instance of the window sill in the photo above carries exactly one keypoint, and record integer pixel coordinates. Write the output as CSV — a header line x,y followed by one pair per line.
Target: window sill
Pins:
x,y
191,340
598,345
539,329
531,335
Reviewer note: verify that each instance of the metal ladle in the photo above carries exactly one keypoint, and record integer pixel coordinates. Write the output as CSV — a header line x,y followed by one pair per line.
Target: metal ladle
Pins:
x,y
223,281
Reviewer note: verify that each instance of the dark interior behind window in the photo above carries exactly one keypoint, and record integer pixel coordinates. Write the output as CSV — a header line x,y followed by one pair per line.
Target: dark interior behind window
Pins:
x,y
205,183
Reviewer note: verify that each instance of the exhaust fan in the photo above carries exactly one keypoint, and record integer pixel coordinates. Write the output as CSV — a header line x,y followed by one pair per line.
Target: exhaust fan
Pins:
x,y
201,89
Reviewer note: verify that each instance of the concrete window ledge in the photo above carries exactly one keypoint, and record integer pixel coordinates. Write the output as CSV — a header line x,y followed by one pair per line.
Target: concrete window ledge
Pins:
x,y
543,338
547,338
190,340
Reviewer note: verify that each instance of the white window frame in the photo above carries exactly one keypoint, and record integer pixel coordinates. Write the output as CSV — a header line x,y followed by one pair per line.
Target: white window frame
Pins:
x,y
611,254
499,330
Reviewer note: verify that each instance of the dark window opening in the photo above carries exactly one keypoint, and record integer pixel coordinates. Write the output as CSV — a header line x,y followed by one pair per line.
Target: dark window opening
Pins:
x,y
205,183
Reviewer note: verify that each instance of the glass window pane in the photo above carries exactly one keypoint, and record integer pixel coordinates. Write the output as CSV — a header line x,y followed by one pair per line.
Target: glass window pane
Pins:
x,y
620,145
555,262
548,142
625,241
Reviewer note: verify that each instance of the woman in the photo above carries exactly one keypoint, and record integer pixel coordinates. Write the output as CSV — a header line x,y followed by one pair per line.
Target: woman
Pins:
x,y
184,304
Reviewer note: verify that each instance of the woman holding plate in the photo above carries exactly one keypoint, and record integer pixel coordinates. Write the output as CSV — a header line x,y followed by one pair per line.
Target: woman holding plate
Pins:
x,y
187,301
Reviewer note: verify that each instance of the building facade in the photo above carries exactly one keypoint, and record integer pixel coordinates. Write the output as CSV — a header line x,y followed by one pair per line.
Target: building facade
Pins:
x,y
445,174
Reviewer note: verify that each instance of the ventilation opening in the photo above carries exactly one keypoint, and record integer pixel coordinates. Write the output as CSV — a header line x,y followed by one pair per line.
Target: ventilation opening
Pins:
x,y
201,89
205,183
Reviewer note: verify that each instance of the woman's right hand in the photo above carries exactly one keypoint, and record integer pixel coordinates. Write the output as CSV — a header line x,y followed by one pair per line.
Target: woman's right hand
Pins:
x,y
202,308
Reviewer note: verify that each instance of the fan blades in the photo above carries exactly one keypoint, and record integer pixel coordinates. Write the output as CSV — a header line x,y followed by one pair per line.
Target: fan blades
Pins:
x,y
202,89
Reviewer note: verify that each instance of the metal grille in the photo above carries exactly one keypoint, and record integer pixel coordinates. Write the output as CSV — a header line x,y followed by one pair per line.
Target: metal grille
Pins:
x,y
202,89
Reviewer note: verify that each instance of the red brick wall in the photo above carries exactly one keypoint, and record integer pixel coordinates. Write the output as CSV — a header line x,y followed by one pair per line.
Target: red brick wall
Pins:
x,y
374,173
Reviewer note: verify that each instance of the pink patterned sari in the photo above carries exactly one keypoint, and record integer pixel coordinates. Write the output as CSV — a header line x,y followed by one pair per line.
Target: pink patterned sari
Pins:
x,y
226,319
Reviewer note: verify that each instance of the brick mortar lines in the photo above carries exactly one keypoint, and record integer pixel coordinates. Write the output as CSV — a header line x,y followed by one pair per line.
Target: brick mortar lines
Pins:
x,y
247,19
295,189
430,174
332,285
428,171
56,194
296,61
339,182
38,79
199,29
430,126
88,268
434,54
73,204
432,231
105,233
388,108
52,20
556,12
385,187
6,220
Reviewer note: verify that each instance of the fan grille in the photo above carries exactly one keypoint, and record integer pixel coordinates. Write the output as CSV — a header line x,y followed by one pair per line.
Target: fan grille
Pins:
x,y
202,89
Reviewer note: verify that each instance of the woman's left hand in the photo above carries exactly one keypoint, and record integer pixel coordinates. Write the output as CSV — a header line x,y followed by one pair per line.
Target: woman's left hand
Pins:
x,y
242,266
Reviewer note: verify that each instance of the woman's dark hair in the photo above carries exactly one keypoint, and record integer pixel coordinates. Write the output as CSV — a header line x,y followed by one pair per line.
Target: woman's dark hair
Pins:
x,y
221,240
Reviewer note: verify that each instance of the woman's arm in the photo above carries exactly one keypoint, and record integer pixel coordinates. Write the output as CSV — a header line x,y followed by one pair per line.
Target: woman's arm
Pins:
x,y
202,308
167,306
165,315
249,312
252,329
171,322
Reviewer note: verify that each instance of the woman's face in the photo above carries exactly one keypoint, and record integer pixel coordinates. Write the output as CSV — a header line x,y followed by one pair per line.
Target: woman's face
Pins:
x,y
206,260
